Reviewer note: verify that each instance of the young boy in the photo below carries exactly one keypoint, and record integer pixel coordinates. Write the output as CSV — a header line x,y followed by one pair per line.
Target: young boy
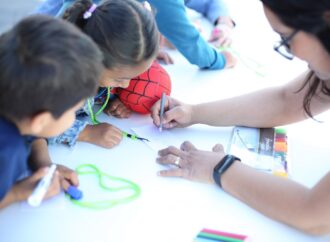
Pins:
x,y
47,68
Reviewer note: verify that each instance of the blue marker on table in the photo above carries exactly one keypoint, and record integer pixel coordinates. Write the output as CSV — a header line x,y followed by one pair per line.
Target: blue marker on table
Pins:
x,y
74,193
162,109
42,187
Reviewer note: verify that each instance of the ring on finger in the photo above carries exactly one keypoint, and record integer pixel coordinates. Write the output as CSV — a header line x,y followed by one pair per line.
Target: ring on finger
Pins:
x,y
177,161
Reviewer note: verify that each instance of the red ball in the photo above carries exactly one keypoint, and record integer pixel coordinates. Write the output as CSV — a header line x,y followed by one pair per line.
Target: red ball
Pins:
x,y
145,89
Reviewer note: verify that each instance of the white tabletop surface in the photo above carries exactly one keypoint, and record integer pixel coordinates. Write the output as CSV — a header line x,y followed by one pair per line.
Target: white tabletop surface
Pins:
x,y
175,210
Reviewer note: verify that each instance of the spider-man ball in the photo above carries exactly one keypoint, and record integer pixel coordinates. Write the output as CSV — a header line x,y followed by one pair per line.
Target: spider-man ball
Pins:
x,y
145,89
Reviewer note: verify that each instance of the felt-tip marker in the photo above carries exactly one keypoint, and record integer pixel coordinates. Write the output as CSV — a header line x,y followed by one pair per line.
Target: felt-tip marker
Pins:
x,y
40,190
162,107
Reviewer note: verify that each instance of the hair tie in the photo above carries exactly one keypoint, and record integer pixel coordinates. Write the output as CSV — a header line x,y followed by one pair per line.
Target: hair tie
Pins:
x,y
90,11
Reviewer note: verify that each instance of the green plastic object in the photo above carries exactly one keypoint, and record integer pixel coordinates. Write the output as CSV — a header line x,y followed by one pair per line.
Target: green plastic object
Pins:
x,y
89,169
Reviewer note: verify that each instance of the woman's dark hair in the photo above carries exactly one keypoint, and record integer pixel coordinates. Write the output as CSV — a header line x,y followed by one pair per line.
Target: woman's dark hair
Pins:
x,y
312,17
46,64
124,30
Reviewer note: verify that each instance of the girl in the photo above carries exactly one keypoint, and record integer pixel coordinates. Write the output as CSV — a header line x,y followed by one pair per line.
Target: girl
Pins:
x,y
128,37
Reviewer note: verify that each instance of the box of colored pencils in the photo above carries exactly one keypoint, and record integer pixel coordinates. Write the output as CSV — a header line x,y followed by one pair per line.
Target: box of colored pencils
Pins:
x,y
209,235
281,153
265,149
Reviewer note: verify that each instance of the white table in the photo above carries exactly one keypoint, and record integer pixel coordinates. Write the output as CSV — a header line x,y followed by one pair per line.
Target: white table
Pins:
x,y
175,210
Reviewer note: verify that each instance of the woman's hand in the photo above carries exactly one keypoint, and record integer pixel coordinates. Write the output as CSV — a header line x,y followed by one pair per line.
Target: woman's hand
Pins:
x,y
177,114
190,163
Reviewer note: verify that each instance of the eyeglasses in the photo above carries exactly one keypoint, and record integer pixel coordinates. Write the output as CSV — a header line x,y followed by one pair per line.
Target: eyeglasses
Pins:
x,y
283,46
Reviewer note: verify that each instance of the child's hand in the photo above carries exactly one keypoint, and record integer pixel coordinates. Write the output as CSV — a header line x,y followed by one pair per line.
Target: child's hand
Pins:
x,y
118,109
221,35
68,177
165,58
103,134
231,61
24,188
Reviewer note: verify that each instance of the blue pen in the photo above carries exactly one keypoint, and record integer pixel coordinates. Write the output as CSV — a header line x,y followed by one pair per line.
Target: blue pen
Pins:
x,y
162,107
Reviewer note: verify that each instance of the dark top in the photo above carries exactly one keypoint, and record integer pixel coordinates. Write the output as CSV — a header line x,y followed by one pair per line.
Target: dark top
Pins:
x,y
14,153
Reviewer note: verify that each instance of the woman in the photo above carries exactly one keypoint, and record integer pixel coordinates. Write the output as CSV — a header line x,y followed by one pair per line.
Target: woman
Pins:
x,y
304,27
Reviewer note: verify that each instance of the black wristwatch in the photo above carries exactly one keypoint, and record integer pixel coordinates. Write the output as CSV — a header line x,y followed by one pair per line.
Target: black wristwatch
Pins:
x,y
222,166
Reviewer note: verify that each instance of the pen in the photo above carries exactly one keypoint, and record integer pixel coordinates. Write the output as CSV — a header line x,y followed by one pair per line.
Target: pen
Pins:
x,y
134,137
40,190
162,106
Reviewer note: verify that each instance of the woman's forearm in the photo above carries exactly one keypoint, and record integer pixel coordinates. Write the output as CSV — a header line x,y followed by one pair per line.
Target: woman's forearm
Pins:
x,y
265,108
281,199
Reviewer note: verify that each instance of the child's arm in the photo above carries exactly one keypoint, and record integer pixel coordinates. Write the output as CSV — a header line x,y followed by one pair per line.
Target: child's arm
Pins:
x,y
116,108
23,189
103,134
39,158
174,24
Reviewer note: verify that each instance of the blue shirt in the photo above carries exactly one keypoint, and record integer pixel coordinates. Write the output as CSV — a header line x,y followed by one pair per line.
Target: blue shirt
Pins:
x,y
14,153
174,24
211,9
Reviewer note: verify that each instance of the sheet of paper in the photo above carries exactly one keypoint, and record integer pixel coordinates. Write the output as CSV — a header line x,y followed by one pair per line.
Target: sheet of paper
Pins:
x,y
158,140
201,136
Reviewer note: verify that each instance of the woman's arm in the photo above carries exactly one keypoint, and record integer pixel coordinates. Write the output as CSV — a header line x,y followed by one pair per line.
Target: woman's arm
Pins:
x,y
281,199
265,108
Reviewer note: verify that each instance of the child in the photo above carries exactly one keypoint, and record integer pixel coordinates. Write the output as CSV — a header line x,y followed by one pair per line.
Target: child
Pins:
x,y
174,24
128,37
217,13
48,68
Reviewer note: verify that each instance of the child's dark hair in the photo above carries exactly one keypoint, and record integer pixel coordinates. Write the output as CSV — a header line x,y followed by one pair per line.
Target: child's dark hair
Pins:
x,y
309,16
123,29
46,64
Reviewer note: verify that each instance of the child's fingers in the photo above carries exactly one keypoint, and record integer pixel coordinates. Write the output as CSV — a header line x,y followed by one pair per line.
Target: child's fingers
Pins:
x,y
65,184
39,174
72,177
112,108
167,59
68,174
54,187
213,38
227,42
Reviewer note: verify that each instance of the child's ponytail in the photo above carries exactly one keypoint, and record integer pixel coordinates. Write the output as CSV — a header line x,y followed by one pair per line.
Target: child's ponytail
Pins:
x,y
75,14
